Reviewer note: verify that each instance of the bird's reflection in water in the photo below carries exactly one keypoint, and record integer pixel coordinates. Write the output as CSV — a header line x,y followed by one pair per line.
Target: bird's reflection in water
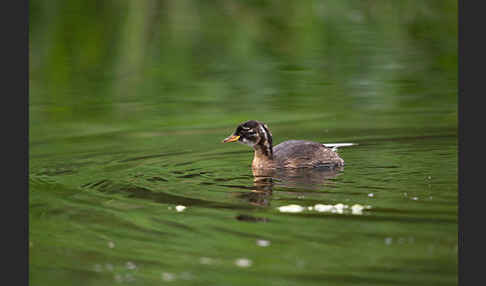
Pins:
x,y
303,178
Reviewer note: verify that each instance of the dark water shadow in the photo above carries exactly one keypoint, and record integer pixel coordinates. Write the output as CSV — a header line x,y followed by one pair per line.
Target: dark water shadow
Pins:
x,y
131,191
264,182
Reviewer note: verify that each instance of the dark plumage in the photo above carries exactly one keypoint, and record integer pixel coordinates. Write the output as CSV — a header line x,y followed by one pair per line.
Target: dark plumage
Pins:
x,y
288,154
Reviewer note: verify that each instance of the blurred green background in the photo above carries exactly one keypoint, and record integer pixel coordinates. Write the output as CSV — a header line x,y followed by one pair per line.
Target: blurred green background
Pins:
x,y
129,101
163,64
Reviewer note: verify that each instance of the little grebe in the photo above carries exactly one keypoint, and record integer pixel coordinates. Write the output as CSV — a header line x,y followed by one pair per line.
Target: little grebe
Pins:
x,y
288,154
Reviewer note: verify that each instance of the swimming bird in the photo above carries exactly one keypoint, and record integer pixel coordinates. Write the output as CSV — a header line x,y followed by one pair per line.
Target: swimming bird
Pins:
x,y
288,154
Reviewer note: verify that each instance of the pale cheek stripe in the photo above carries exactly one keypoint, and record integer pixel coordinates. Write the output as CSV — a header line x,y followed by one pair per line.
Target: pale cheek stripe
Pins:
x,y
264,132
265,135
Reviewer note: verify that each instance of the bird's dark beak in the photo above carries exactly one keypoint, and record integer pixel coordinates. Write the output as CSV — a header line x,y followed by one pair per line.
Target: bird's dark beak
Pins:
x,y
231,138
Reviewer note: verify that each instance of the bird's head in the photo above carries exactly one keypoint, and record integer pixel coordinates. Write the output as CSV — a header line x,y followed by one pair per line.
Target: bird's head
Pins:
x,y
254,134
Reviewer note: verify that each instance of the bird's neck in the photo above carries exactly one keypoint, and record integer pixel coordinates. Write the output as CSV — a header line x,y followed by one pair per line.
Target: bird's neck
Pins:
x,y
263,157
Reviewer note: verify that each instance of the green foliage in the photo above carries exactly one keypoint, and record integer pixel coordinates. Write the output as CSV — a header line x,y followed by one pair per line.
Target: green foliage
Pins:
x,y
97,61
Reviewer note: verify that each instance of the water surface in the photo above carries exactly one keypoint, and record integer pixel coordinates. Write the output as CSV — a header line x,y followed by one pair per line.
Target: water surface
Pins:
x,y
99,216
129,102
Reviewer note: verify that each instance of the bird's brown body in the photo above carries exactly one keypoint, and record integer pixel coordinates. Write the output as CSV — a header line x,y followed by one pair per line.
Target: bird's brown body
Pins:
x,y
288,154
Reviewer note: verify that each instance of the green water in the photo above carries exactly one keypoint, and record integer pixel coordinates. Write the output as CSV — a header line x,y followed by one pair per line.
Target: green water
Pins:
x,y
129,102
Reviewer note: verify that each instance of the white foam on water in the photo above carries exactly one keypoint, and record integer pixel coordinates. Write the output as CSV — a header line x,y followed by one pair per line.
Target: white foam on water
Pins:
x,y
130,265
357,209
338,208
291,209
180,208
262,242
323,208
243,262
